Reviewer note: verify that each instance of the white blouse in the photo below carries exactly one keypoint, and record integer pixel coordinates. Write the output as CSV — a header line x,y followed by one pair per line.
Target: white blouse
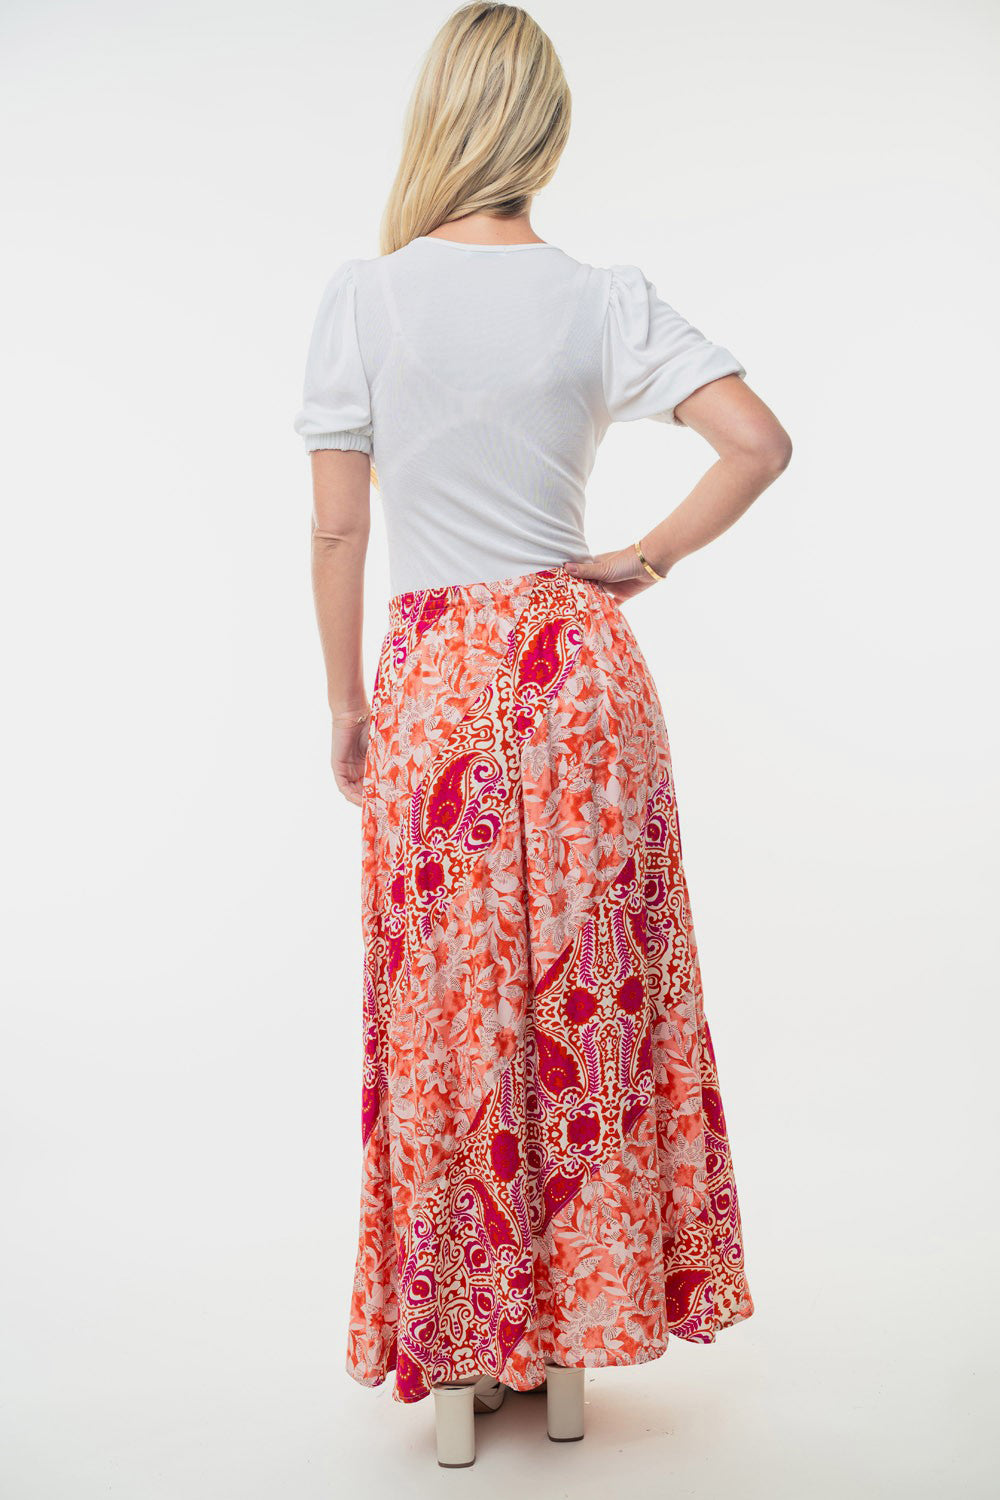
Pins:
x,y
481,379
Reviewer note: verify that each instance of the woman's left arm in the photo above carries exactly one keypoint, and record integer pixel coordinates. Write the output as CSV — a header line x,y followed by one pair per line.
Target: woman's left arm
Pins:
x,y
340,525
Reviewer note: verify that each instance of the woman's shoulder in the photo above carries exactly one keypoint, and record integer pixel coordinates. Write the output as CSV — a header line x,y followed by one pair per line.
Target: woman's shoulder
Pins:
x,y
602,287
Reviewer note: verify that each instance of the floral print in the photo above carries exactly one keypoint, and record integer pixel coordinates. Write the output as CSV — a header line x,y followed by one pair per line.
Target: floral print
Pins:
x,y
546,1171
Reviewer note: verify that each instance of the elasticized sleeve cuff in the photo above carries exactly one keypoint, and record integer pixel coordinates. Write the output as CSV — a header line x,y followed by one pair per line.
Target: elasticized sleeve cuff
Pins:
x,y
350,440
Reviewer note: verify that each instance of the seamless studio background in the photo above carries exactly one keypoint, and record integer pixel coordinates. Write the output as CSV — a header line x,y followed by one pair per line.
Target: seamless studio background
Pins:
x,y
812,187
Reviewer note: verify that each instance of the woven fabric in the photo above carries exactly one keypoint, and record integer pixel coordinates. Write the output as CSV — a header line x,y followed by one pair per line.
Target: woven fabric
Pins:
x,y
546,1168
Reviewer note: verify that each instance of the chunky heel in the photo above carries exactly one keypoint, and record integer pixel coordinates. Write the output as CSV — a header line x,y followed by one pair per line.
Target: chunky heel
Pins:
x,y
564,1403
455,1423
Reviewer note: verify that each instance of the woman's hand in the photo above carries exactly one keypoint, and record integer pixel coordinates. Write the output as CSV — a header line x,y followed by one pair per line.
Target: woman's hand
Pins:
x,y
348,751
620,572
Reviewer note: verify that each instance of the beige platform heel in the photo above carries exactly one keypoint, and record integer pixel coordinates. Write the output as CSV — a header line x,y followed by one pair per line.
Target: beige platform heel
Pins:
x,y
564,1403
456,1404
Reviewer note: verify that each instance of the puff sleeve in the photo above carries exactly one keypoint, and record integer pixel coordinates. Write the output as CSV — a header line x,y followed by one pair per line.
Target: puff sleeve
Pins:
x,y
651,357
336,402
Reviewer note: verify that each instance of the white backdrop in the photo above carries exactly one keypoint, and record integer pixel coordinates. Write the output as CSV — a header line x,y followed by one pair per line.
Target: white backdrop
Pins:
x,y
181,1027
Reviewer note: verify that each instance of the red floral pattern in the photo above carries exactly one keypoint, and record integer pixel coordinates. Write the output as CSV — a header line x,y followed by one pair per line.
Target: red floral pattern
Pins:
x,y
546,1170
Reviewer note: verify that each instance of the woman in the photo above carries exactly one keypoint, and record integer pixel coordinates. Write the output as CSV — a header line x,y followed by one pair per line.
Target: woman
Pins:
x,y
547,1182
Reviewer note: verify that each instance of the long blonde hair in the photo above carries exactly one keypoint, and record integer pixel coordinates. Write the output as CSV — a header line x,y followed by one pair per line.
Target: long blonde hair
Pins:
x,y
486,124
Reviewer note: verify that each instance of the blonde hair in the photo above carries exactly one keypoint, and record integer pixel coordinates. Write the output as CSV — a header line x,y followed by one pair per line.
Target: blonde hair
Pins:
x,y
486,124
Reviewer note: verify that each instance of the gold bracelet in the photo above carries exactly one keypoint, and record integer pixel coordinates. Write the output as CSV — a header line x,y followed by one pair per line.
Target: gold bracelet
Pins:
x,y
359,720
648,566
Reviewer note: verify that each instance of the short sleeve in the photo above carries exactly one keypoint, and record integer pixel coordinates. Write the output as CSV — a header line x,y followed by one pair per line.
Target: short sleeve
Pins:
x,y
651,357
336,403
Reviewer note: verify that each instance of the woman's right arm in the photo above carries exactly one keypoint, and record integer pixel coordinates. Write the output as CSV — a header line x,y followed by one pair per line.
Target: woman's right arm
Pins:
x,y
753,449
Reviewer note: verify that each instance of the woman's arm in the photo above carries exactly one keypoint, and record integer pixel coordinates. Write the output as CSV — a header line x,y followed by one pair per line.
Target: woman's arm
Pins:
x,y
340,526
753,449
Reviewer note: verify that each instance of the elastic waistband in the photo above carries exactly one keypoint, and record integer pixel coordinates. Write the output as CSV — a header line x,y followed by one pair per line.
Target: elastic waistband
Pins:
x,y
412,604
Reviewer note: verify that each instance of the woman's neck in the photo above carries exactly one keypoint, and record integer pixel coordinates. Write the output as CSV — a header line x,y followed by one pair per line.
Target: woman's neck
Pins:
x,y
487,229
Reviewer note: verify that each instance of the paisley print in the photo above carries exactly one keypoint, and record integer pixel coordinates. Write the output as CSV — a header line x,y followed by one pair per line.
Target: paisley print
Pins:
x,y
546,1170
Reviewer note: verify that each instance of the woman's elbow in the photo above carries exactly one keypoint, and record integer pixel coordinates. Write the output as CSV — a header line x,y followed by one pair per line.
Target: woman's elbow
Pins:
x,y
767,450
776,453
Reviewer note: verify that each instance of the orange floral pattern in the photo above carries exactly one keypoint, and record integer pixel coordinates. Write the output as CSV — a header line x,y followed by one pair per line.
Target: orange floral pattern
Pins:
x,y
546,1170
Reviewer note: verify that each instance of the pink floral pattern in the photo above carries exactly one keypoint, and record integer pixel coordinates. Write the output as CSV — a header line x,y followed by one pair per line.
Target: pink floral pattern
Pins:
x,y
546,1169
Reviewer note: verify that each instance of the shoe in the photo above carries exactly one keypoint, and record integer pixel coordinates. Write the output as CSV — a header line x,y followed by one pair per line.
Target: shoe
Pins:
x,y
456,1403
564,1403
489,1394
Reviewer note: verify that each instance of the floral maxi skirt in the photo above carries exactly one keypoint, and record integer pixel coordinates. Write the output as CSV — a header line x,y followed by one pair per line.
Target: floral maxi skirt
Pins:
x,y
546,1172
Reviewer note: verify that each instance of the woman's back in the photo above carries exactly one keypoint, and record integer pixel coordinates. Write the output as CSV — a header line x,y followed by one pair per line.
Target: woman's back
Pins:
x,y
481,379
